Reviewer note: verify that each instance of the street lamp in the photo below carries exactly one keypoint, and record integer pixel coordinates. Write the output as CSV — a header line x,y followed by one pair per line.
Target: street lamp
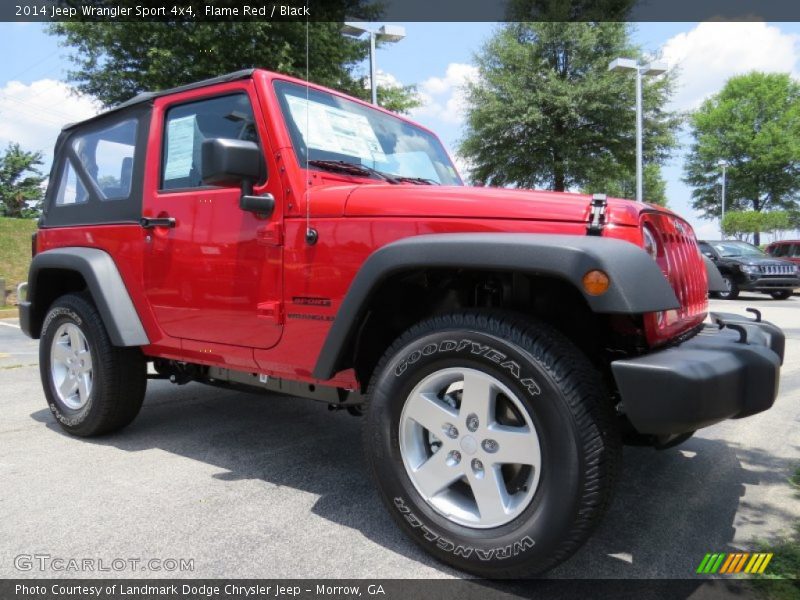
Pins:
x,y
723,164
653,68
389,33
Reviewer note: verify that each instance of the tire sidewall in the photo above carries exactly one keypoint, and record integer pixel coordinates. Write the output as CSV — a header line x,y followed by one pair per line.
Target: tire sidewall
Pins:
x,y
732,291
535,534
61,313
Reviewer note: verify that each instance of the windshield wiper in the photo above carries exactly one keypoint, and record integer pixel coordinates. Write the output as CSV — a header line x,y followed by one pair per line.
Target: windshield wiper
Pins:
x,y
417,180
344,166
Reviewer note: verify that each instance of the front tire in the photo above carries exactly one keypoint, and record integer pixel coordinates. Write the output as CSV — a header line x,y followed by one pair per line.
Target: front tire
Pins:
x,y
91,386
492,442
781,294
732,289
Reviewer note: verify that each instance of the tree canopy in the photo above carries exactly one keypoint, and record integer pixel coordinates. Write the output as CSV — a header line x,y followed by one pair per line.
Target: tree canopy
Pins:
x,y
115,61
753,124
20,182
741,224
546,112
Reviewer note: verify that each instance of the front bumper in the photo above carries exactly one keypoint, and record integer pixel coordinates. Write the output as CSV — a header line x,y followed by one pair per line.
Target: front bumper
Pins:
x,y
757,282
728,371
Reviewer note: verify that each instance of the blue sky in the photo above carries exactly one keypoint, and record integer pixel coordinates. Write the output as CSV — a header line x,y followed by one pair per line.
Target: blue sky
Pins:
x,y
35,102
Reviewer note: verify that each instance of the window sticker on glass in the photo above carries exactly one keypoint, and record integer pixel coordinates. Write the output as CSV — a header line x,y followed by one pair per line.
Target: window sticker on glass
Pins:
x,y
180,147
335,130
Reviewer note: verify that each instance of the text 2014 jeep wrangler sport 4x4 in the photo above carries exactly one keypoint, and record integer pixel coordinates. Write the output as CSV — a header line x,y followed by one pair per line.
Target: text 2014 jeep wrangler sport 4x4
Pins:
x,y
255,231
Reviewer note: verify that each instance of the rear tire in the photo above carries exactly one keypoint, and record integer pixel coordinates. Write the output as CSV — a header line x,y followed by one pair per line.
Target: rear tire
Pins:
x,y
781,294
91,386
542,433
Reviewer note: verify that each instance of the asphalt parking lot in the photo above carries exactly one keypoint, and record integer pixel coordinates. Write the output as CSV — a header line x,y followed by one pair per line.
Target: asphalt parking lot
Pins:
x,y
268,486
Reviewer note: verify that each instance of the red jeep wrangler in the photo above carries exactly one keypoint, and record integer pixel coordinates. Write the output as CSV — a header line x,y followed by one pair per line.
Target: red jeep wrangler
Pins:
x,y
257,231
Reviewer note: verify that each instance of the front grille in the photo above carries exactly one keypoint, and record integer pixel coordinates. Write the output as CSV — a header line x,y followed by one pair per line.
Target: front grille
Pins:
x,y
777,269
683,265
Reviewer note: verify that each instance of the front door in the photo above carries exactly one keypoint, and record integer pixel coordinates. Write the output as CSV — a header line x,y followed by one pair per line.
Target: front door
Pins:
x,y
216,275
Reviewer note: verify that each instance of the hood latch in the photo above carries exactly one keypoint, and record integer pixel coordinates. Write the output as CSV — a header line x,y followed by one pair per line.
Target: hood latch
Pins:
x,y
597,215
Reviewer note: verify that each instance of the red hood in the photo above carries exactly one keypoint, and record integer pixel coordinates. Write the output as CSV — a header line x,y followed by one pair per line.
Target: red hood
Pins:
x,y
384,200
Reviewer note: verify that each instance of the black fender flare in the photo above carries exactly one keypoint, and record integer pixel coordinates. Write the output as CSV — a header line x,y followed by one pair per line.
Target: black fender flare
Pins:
x,y
714,277
637,283
105,285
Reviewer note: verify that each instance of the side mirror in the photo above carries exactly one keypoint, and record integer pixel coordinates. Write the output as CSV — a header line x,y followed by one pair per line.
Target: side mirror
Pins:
x,y
710,255
229,162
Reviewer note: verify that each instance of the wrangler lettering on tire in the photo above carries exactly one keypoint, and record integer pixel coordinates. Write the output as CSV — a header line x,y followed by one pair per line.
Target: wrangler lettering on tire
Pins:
x,y
472,419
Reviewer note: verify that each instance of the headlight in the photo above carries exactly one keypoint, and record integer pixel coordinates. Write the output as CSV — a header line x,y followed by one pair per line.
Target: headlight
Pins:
x,y
750,269
650,243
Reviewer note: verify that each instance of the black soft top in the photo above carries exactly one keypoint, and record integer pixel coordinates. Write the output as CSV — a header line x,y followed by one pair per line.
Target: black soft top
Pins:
x,y
150,96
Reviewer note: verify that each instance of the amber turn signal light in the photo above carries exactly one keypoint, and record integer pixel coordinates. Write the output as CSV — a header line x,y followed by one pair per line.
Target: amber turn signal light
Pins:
x,y
596,283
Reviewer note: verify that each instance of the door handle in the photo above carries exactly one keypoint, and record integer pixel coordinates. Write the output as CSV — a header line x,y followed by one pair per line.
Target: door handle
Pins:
x,y
149,222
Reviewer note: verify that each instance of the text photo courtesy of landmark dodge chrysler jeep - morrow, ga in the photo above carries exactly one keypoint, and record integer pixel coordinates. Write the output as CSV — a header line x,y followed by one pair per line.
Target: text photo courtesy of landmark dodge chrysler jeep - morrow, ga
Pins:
x,y
255,231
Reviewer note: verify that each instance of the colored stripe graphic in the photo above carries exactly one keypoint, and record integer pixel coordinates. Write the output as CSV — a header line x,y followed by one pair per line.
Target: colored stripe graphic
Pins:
x,y
703,563
734,562
727,564
765,563
741,562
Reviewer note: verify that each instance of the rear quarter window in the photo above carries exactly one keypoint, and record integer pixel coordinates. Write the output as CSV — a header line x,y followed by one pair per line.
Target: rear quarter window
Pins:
x,y
98,170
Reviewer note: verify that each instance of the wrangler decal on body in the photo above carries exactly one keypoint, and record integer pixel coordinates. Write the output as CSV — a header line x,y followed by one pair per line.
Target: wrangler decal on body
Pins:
x,y
484,554
472,348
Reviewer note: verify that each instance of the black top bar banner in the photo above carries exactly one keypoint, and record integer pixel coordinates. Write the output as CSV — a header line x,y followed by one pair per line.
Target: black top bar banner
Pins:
x,y
398,10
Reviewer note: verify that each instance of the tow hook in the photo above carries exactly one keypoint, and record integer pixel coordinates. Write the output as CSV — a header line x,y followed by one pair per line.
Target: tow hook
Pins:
x,y
756,312
742,331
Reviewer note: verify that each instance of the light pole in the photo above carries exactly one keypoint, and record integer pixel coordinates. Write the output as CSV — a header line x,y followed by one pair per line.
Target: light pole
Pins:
x,y
724,165
654,68
389,33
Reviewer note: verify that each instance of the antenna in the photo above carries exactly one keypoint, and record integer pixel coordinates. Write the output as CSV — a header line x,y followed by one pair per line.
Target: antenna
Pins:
x,y
311,233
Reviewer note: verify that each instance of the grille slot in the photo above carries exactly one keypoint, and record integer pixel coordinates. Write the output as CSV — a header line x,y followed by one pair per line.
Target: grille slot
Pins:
x,y
777,269
680,260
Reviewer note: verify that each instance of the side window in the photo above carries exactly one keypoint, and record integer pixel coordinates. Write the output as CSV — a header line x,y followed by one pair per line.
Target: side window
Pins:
x,y
186,127
794,250
70,189
107,155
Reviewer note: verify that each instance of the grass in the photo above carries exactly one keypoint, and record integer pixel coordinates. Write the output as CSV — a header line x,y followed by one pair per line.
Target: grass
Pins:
x,y
782,582
15,251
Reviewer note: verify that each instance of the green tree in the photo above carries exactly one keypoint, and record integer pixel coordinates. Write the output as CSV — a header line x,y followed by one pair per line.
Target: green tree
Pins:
x,y
753,124
743,223
115,61
546,112
20,182
622,184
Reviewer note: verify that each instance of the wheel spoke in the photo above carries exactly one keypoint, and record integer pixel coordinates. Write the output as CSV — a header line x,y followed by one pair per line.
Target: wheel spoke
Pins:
x,y
430,412
67,386
83,386
60,353
434,475
490,493
75,341
517,445
478,398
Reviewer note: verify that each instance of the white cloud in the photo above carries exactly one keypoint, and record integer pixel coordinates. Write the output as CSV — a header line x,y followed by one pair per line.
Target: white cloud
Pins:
x,y
712,52
443,97
34,114
385,80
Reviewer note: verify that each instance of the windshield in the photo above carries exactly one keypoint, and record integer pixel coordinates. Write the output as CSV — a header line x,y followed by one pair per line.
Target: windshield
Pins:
x,y
736,249
326,128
